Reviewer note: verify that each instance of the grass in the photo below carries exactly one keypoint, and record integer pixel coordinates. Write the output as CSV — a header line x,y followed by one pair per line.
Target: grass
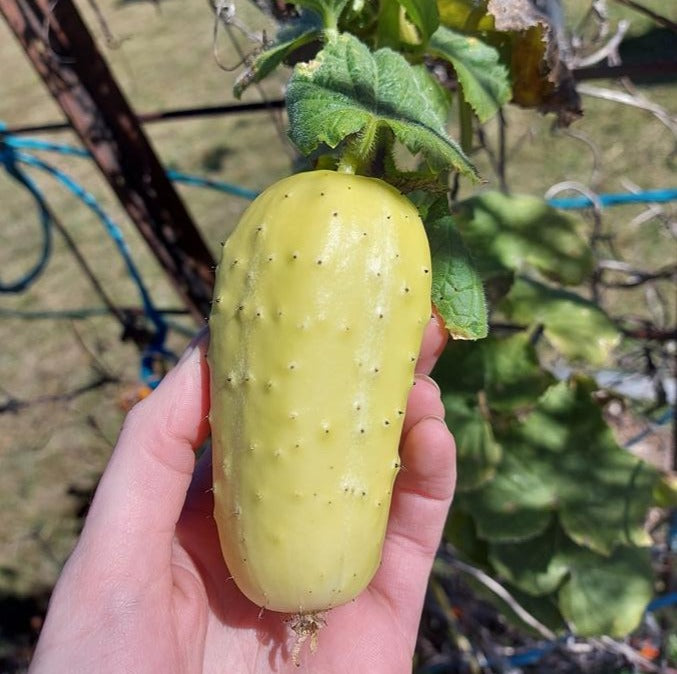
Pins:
x,y
52,451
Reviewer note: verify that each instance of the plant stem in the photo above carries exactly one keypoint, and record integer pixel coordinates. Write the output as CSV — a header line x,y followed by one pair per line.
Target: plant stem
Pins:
x,y
359,150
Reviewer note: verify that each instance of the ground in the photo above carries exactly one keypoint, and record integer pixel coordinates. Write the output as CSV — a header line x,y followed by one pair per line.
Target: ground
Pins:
x,y
65,384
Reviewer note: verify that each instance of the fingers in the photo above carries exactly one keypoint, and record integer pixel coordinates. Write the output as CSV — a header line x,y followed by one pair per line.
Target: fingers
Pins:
x,y
421,499
143,488
424,400
435,339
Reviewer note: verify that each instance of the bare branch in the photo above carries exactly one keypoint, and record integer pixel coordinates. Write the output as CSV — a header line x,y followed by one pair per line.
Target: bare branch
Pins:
x,y
16,404
621,97
637,276
501,592
609,50
607,643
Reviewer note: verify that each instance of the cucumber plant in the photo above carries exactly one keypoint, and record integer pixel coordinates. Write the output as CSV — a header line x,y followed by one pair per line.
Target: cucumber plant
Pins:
x,y
369,80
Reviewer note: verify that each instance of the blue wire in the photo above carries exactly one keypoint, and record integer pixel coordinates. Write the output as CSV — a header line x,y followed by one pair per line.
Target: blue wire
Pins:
x,y
156,346
661,602
42,145
197,181
176,176
646,197
113,230
8,160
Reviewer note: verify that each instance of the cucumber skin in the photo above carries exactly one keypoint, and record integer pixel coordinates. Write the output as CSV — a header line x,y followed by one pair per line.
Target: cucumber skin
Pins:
x,y
321,298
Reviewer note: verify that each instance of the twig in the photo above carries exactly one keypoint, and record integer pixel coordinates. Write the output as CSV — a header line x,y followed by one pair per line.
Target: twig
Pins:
x,y
637,276
596,234
227,18
607,643
17,404
501,592
658,18
491,155
621,97
111,40
596,154
99,366
610,49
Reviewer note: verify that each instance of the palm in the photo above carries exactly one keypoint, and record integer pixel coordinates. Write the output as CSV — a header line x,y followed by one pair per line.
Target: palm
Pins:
x,y
368,630
146,588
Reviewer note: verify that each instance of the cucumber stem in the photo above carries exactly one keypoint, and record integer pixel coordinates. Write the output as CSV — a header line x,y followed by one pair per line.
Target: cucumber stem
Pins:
x,y
359,150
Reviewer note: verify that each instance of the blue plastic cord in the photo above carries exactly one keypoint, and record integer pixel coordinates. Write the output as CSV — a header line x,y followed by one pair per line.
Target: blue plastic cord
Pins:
x,y
10,157
196,181
645,197
9,160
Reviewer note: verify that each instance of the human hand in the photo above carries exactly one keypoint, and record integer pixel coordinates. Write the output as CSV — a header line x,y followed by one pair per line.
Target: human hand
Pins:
x,y
146,588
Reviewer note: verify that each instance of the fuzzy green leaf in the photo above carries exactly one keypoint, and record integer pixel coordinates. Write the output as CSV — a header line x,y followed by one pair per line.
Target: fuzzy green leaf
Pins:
x,y
511,232
483,78
347,89
456,287
576,327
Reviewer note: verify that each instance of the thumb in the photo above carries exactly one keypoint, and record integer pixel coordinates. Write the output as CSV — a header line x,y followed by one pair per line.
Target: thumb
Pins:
x,y
143,489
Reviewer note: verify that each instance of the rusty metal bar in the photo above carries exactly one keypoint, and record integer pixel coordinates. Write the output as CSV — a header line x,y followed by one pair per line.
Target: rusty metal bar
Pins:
x,y
63,52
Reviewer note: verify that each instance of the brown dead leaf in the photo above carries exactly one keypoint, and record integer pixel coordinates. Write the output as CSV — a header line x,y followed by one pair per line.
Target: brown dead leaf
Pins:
x,y
540,78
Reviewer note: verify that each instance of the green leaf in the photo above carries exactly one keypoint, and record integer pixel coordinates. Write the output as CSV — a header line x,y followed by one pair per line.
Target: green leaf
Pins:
x,y
576,327
478,453
406,24
540,78
456,286
602,491
292,37
516,504
460,369
424,15
609,596
562,457
347,90
388,32
510,232
504,369
534,566
465,15
459,530
483,78
544,608
513,376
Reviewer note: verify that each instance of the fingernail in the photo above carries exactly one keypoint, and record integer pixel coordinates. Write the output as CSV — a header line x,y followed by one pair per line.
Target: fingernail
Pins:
x,y
425,378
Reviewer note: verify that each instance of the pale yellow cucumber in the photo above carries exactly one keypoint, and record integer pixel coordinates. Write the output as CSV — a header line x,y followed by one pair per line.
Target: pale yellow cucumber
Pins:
x,y
322,294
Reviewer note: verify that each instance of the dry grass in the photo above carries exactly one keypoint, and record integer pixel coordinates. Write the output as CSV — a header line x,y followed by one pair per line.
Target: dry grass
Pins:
x,y
165,61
